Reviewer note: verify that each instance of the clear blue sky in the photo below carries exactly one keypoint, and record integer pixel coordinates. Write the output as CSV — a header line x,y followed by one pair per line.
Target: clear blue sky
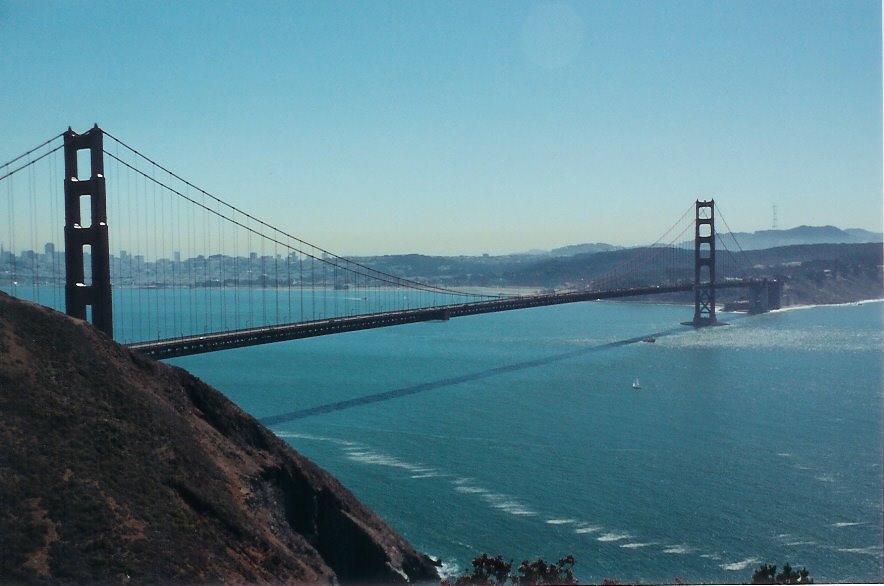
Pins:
x,y
470,127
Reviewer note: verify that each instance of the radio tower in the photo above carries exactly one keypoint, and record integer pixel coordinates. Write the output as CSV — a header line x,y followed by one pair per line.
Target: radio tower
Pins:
x,y
773,222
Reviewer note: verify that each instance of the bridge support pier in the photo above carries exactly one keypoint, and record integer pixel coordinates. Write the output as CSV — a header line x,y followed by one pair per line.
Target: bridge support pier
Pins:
x,y
78,294
765,295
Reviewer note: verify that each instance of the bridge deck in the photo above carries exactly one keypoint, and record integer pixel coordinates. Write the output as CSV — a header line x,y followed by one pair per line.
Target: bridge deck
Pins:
x,y
198,344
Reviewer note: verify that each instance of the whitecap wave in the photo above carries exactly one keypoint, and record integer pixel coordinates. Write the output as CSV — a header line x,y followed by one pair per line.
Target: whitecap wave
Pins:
x,y
740,565
507,504
784,535
560,521
613,536
678,549
371,458
874,550
470,489
514,508
446,569
634,545
310,437
587,529
840,524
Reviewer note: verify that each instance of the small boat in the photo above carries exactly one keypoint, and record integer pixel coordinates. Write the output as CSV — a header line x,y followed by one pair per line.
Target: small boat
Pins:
x,y
635,384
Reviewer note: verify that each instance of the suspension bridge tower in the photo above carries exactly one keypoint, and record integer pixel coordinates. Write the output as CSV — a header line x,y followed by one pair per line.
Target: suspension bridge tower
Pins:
x,y
704,264
78,294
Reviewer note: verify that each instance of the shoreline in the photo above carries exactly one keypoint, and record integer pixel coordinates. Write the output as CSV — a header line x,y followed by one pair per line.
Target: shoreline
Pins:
x,y
839,304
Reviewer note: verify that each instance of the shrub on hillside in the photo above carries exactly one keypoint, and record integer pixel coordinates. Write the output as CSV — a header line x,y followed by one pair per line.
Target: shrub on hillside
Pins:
x,y
496,571
767,574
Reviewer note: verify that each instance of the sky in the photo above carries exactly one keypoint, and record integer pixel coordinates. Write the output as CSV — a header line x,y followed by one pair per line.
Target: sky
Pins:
x,y
463,127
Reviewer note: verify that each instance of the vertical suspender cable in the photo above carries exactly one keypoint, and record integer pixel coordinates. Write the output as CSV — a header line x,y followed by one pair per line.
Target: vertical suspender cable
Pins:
x,y
263,288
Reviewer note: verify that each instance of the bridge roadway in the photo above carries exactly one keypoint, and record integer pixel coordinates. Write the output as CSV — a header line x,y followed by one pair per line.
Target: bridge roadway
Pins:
x,y
198,344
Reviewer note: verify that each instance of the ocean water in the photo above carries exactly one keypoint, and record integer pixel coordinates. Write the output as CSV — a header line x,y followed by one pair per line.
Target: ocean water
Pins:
x,y
519,434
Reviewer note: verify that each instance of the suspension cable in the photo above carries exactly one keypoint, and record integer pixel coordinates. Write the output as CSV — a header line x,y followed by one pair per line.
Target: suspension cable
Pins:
x,y
395,280
28,164
734,238
36,148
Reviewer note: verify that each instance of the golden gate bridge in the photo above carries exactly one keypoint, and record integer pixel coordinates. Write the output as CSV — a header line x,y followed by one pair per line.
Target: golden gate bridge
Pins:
x,y
169,269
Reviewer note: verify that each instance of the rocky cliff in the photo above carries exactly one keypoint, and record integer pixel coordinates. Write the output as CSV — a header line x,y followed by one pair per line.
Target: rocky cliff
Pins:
x,y
116,468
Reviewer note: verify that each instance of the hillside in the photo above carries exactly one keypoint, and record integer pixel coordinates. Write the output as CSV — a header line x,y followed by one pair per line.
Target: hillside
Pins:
x,y
813,273
804,235
116,468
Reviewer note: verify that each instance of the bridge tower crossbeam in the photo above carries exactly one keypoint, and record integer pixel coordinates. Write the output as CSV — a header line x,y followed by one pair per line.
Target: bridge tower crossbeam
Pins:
x,y
78,294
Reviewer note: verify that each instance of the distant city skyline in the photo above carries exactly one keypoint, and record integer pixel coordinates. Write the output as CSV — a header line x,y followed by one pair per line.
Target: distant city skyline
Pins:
x,y
444,129
50,248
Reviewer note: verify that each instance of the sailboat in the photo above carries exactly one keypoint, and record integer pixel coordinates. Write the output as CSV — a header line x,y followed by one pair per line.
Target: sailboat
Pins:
x,y
635,384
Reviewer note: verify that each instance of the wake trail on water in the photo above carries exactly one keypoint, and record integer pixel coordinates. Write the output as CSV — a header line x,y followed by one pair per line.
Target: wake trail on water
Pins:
x,y
456,380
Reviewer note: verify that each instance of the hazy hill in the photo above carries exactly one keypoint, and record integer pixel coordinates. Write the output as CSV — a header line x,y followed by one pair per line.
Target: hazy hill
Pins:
x,y
114,467
823,273
804,235
581,262
573,249
753,240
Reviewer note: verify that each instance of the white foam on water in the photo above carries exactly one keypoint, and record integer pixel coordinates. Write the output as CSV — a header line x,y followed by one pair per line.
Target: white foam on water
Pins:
x,y
470,489
369,457
560,521
710,556
507,504
587,529
847,524
447,569
740,565
613,536
678,549
632,545
874,550
848,304
310,437
797,543
363,455
784,455
825,478
514,508
351,447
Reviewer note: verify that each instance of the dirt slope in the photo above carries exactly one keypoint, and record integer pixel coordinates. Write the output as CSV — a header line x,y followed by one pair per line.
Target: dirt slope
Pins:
x,y
115,468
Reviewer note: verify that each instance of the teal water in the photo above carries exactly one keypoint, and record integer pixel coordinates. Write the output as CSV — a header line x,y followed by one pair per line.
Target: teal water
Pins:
x,y
519,433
